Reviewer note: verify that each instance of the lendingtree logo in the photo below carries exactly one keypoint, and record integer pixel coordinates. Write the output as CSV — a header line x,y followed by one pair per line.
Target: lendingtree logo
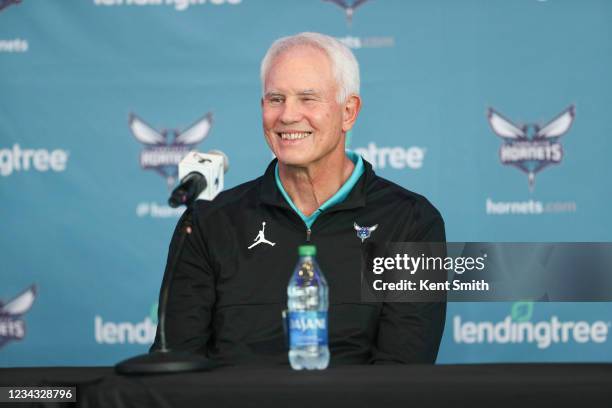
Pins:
x,y
521,311
143,332
18,159
396,157
518,328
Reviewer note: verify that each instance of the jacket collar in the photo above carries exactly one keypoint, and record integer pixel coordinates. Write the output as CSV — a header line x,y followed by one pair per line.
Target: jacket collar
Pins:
x,y
269,193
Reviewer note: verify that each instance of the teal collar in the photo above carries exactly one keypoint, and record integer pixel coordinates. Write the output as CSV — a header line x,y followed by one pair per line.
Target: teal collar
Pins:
x,y
337,198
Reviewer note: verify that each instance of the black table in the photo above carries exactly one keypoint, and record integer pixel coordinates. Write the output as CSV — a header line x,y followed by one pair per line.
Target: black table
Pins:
x,y
486,385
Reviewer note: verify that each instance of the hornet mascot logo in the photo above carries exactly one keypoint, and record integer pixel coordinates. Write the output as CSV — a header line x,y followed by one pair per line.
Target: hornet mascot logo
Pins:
x,y
364,232
12,326
163,155
349,9
5,3
531,147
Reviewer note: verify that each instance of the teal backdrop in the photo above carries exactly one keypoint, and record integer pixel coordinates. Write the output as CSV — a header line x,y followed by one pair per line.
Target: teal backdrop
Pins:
x,y
85,227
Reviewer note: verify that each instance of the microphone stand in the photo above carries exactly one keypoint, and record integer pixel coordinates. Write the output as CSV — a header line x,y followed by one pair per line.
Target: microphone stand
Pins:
x,y
164,360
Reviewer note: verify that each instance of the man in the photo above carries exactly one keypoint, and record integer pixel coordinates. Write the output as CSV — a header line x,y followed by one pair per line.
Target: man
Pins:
x,y
230,282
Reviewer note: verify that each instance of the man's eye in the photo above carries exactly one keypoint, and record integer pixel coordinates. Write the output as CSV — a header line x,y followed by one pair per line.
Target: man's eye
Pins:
x,y
276,100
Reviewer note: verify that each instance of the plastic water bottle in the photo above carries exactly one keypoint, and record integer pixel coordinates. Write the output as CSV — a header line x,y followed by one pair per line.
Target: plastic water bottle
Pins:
x,y
307,301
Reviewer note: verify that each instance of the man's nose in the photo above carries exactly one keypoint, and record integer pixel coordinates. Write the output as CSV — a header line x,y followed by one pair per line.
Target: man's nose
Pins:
x,y
291,112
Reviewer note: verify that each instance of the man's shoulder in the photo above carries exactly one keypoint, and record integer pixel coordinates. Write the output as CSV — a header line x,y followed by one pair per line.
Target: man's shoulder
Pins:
x,y
415,217
384,192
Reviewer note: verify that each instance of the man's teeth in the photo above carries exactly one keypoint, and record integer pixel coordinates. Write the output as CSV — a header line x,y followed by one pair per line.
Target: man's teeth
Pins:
x,y
294,136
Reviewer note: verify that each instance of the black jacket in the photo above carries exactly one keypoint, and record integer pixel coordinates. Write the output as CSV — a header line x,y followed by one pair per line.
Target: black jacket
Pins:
x,y
226,300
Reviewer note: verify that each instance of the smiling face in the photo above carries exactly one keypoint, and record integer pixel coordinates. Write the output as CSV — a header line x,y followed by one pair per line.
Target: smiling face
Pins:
x,y
302,119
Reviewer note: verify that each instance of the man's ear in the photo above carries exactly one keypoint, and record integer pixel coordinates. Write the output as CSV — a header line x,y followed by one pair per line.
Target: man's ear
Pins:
x,y
350,111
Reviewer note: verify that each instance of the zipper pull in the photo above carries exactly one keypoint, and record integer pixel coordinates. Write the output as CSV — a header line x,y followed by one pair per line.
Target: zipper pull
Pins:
x,y
308,231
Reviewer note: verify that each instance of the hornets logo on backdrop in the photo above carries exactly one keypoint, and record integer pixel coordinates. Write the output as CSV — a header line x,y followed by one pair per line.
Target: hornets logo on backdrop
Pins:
x,y
164,149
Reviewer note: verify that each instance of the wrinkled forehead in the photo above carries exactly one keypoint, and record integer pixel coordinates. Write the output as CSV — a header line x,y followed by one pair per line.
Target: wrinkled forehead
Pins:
x,y
300,68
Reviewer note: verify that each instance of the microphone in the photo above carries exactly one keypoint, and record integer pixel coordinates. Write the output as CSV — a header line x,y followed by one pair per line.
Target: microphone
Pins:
x,y
201,176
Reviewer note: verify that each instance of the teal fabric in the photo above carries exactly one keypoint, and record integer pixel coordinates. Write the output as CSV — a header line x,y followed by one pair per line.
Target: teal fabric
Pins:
x,y
335,199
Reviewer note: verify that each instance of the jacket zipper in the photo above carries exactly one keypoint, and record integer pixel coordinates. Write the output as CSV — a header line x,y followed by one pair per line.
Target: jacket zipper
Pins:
x,y
308,232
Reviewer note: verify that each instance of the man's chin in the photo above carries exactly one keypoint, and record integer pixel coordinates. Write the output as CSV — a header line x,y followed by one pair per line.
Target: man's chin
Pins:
x,y
293,160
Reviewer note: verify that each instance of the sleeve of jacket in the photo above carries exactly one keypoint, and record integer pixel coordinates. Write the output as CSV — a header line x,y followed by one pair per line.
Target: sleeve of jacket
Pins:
x,y
410,332
192,290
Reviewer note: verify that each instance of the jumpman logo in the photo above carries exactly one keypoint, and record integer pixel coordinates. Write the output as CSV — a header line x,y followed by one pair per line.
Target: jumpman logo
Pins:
x,y
260,237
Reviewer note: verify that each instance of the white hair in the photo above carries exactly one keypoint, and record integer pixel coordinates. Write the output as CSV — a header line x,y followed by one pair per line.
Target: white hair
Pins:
x,y
343,63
